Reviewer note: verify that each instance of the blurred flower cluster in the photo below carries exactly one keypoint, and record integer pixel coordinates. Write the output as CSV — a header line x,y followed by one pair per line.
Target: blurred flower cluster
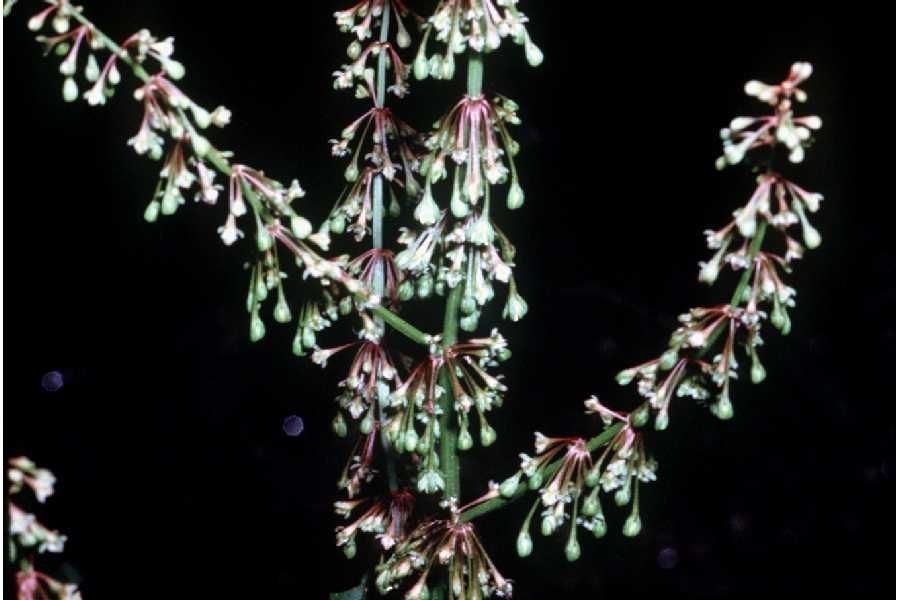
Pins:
x,y
27,535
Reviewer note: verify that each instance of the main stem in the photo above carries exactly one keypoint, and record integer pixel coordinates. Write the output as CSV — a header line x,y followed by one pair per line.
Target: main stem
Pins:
x,y
449,425
378,242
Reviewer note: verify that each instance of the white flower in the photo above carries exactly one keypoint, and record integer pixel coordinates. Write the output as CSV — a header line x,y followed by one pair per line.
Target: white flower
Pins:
x,y
229,232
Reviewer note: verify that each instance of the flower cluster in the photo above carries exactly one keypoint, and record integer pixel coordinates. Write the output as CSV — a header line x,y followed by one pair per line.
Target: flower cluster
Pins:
x,y
27,534
386,517
747,133
569,480
448,543
478,25
762,295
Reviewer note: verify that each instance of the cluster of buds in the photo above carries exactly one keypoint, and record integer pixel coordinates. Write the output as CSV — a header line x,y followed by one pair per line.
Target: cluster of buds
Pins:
x,y
478,25
474,136
791,203
448,543
370,379
418,399
472,253
569,480
747,133
386,517
393,142
762,295
26,533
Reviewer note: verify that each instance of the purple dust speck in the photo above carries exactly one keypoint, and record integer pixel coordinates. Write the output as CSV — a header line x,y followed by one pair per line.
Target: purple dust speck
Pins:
x,y
667,558
52,381
292,425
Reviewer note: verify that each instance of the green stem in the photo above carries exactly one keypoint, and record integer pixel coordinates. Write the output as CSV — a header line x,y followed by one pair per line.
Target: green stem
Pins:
x,y
450,425
378,242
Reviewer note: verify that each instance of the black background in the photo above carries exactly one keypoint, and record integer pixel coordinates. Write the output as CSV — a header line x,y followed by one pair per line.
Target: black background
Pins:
x,y
176,480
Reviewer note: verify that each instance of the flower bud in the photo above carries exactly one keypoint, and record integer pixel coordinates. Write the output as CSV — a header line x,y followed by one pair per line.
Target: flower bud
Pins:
x,y
470,323
424,286
405,290
593,476
662,421
337,223
524,544
151,213
510,485
351,173
591,504
625,377
427,212
70,90
354,50
515,307
464,441
533,54
448,67
757,372
420,65
282,312
468,305
723,408
667,360
350,549
367,424
622,496
573,550
548,525
345,307
599,528
411,440
632,525
309,337
516,197
640,416
300,227
297,344
488,435
339,426
535,481
257,327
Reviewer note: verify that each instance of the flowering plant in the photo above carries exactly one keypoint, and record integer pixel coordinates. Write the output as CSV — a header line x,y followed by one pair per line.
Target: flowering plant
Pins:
x,y
412,415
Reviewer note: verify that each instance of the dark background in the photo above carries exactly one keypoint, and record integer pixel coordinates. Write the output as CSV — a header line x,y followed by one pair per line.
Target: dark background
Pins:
x,y
175,479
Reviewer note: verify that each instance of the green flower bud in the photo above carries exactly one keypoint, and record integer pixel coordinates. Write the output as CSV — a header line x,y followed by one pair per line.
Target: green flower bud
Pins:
x,y
535,481
350,549
667,360
345,307
640,416
662,421
367,424
169,202
548,525
504,354
61,49
470,322
420,65
424,446
510,485
448,67
622,496
411,440
573,550
524,544
354,50
599,527
405,290
591,504
632,525
309,337
723,408
257,327
468,305
300,227
488,435
263,240
151,213
593,476
297,344
92,70
339,426
351,173
464,441
516,196
757,372
282,312
427,211
424,286
625,377
533,54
